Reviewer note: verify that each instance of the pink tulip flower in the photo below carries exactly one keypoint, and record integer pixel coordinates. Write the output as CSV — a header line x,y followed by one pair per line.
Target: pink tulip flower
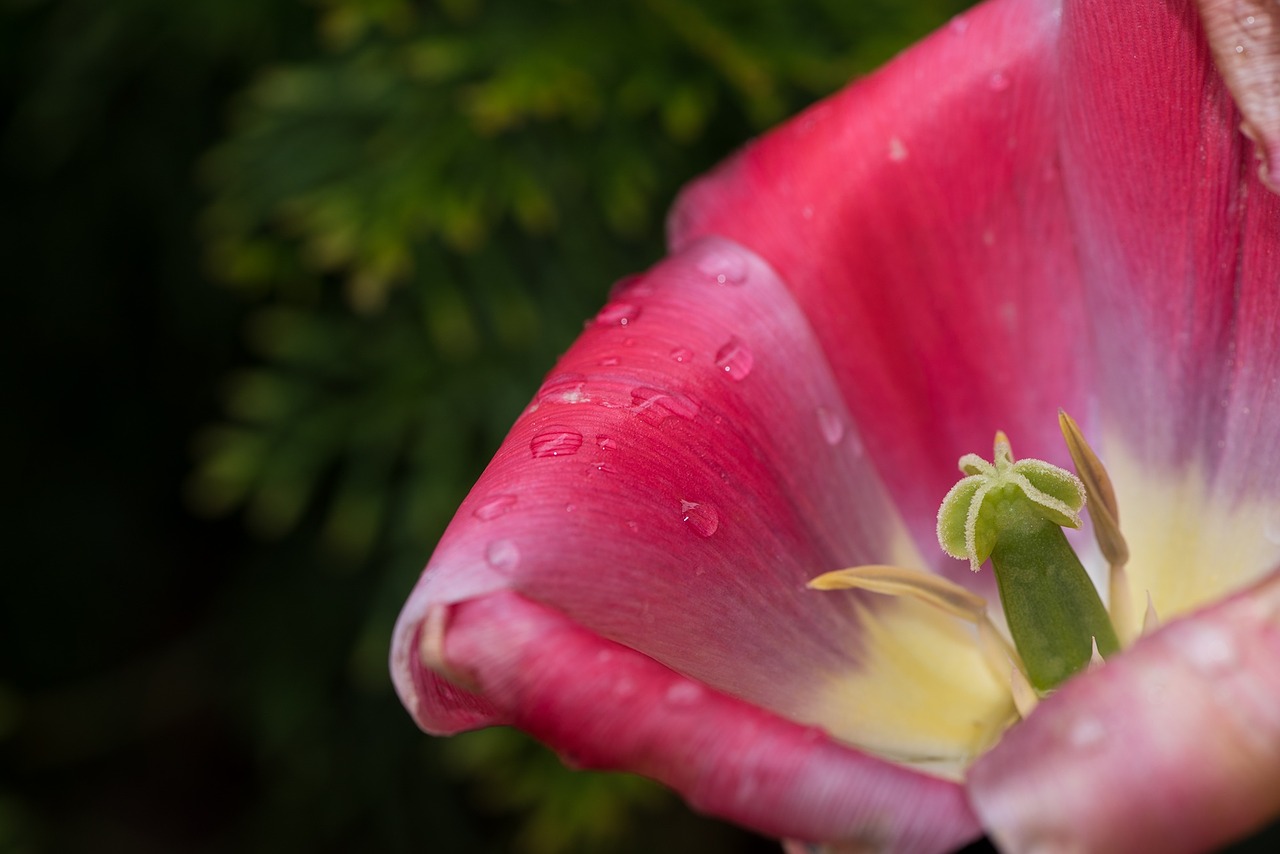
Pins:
x,y
1048,203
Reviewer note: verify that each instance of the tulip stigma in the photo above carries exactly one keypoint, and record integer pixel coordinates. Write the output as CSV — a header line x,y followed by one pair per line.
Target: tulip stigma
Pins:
x,y
1012,513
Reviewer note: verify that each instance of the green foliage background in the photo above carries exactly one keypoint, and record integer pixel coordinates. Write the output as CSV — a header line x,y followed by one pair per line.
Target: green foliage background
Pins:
x,y
283,273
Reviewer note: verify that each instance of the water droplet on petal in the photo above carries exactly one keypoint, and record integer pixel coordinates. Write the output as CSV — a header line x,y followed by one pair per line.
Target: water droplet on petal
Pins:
x,y
653,406
609,361
735,359
1205,648
1086,732
724,266
630,287
831,425
701,517
682,354
569,508
556,442
897,150
502,555
563,388
618,314
998,82
684,693
493,507
606,443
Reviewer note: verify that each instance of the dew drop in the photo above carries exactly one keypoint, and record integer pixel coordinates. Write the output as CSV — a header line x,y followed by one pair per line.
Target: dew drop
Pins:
x,y
606,443
570,508
493,507
556,442
618,314
609,361
1239,48
1086,732
603,468
653,406
831,425
502,555
724,266
702,517
563,388
630,287
633,525
682,354
684,693
1207,649
897,150
998,82
735,359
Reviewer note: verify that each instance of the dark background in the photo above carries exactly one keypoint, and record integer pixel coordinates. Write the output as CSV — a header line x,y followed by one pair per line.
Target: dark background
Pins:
x,y
284,274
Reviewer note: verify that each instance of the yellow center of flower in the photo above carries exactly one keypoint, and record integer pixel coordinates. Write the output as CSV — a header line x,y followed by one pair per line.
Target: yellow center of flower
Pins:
x,y
1011,513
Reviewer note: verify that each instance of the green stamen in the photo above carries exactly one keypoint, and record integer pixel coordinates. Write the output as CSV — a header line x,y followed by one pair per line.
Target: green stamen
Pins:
x,y
1013,513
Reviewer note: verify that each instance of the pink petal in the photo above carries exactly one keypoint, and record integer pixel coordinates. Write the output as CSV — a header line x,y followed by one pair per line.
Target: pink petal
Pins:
x,y
1173,746
683,473
1180,251
1180,244
919,219
606,706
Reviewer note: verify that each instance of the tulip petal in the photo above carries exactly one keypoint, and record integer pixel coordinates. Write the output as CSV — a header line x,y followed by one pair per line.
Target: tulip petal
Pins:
x,y
660,500
1180,250
1173,746
926,204
606,706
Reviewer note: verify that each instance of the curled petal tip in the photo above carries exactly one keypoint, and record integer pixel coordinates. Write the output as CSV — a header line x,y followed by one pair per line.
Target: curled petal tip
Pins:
x,y
1244,36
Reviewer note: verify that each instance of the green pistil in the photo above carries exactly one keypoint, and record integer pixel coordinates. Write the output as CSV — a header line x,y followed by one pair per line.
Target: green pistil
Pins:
x,y
1013,513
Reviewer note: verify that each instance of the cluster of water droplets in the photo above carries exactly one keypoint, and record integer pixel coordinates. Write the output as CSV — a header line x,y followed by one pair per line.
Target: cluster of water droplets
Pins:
x,y
1254,28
